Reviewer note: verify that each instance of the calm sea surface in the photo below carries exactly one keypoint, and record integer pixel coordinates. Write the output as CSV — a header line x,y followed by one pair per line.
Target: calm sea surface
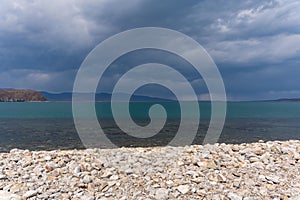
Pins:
x,y
49,125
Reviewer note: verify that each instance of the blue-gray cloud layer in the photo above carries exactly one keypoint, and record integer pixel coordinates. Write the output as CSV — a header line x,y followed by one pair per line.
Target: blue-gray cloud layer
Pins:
x,y
255,44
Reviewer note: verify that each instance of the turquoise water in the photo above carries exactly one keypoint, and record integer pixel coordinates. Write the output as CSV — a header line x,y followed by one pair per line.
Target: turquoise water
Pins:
x,y
140,109
49,125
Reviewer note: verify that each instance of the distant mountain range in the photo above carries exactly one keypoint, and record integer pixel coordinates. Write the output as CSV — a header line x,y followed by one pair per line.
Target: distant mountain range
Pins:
x,y
289,100
67,96
20,95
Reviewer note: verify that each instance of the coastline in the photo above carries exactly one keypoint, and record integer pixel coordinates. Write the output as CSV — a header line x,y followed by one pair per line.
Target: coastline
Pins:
x,y
262,170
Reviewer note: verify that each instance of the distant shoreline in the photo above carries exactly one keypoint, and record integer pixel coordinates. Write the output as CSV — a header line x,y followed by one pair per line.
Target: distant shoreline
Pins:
x,y
165,101
27,95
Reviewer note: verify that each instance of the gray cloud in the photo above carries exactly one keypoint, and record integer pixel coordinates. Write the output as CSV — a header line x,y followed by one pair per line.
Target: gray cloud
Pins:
x,y
256,44
37,79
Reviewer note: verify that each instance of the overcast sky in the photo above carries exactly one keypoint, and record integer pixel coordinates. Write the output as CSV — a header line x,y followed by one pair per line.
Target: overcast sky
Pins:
x,y
255,44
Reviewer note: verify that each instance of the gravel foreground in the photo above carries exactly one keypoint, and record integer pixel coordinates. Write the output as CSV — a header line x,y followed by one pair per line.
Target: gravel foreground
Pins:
x,y
221,171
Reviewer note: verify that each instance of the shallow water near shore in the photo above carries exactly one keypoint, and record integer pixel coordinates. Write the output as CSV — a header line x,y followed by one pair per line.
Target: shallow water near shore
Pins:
x,y
49,125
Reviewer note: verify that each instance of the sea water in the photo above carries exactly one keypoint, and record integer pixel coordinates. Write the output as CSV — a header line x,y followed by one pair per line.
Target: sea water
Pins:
x,y
49,125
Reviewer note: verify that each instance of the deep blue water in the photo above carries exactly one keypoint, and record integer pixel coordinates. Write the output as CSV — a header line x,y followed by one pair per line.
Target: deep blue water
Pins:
x,y
49,125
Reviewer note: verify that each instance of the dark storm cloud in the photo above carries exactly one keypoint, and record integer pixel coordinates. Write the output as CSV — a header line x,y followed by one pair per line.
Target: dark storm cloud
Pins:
x,y
255,44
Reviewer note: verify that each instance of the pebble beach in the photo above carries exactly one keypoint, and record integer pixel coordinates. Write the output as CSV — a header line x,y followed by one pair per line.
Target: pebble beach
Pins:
x,y
262,170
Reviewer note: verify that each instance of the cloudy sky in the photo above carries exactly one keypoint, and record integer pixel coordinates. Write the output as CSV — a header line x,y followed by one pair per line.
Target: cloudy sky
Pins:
x,y
255,44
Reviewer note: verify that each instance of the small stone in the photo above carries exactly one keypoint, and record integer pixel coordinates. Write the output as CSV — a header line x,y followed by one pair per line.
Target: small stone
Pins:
x,y
201,164
4,195
258,165
30,193
183,189
193,190
197,180
26,151
274,179
107,195
107,174
253,159
169,182
87,179
47,158
262,178
233,196
236,184
26,176
87,197
259,152
161,194
2,177
248,198
212,178
7,187
129,171
15,188
103,187
77,170
49,168
236,174
201,192
211,165
205,155
215,197
192,173
221,178
114,177
270,186
43,196
14,150
180,163
235,148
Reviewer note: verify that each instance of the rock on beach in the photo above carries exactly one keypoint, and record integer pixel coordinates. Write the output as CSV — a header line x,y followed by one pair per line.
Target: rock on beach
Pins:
x,y
262,170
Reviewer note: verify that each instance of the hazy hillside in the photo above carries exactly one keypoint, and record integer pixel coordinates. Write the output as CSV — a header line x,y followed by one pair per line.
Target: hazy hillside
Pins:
x,y
67,96
15,95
